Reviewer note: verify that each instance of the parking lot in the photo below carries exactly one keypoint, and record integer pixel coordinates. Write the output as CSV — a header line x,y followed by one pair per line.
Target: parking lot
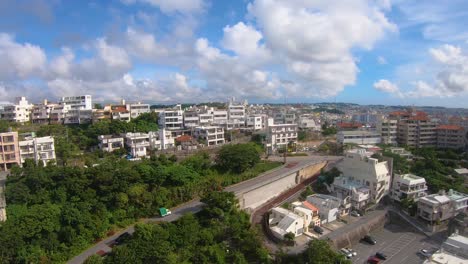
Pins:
x,y
399,244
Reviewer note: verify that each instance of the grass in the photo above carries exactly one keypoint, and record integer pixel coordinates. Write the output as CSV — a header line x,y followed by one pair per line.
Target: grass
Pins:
x,y
230,178
298,154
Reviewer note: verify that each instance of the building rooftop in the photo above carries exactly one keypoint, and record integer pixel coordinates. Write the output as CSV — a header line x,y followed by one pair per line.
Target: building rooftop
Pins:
x,y
454,195
462,171
449,127
442,257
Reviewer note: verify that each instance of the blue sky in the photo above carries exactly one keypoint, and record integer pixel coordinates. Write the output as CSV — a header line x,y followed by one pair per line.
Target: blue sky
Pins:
x,y
391,52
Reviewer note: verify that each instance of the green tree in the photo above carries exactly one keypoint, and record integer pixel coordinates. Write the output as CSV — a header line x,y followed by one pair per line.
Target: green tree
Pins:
x,y
238,158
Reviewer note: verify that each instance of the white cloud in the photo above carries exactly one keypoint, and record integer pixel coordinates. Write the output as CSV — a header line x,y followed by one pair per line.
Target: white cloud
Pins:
x,y
244,40
172,6
388,87
20,60
381,60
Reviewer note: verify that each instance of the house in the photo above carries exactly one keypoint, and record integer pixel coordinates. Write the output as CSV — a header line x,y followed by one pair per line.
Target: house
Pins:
x,y
283,221
186,142
308,121
347,189
39,149
279,136
120,112
212,135
312,210
161,139
256,122
109,143
9,151
40,113
360,170
442,206
19,112
408,186
329,207
138,143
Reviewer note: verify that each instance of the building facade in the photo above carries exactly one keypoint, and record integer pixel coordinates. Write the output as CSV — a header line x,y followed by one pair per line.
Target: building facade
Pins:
x,y
9,150
408,186
451,136
442,206
19,112
279,136
211,135
388,130
358,137
39,149
109,143
172,119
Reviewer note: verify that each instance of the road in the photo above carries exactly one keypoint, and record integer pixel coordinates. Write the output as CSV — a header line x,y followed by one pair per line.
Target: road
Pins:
x,y
195,205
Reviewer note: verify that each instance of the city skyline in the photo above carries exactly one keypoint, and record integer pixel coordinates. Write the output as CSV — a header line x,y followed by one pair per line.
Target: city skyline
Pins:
x,y
366,52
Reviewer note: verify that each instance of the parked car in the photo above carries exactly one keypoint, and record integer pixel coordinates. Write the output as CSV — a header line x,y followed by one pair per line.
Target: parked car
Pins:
x,y
381,255
369,240
373,260
355,214
424,253
120,239
318,230
352,251
346,253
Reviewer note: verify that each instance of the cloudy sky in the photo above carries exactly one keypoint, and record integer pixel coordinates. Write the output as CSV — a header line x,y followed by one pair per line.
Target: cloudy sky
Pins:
x,y
412,52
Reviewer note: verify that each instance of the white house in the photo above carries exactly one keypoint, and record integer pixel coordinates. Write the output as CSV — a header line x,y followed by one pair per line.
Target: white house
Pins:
x,y
280,135
138,144
161,139
358,167
137,109
329,207
442,206
408,186
19,112
39,149
212,135
351,190
109,143
283,221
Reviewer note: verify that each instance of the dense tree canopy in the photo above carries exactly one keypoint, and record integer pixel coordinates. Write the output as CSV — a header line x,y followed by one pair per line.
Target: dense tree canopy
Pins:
x,y
239,157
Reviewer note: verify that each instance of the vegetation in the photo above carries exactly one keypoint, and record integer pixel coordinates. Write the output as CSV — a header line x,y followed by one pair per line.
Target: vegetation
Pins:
x,y
326,177
239,157
55,212
328,110
328,130
317,252
221,233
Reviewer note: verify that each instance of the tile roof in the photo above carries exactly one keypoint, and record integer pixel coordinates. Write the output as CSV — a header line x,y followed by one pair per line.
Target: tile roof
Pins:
x,y
310,206
450,127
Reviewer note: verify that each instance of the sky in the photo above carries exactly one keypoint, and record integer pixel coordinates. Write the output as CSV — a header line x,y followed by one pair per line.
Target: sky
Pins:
x,y
391,52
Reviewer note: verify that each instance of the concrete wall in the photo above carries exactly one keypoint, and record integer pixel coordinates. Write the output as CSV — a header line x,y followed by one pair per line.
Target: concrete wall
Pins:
x,y
260,195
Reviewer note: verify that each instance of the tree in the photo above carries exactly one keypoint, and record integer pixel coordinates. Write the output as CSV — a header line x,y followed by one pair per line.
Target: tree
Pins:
x,y
319,251
289,237
238,158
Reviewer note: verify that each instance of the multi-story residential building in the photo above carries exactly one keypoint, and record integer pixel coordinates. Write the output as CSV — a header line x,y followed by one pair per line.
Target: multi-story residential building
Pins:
x,y
236,114
191,119
137,109
358,137
205,119
109,143
366,118
19,112
172,119
290,118
9,150
40,113
161,139
280,135
220,117
388,130
138,143
79,110
81,102
442,206
358,167
329,207
120,112
256,122
39,149
101,114
351,191
408,186
212,135
415,129
58,114
451,136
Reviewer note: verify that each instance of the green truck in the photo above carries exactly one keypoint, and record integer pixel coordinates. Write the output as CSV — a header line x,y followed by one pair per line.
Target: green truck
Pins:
x,y
163,211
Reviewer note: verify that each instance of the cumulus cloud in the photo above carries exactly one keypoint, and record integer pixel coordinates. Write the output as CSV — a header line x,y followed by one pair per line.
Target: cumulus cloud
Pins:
x,y
180,6
381,60
19,60
388,87
244,40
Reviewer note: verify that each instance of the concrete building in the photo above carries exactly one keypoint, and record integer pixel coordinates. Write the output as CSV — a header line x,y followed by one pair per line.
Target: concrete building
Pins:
x,y
75,110
351,191
415,129
457,245
313,217
109,143
442,206
9,150
81,102
191,119
451,136
358,167
205,119
402,152
40,113
358,137
408,186
39,149
256,122
280,135
211,135
161,139
138,143
58,114
220,117
329,207
19,112
283,221
120,112
137,109
172,119
388,130
236,114
308,122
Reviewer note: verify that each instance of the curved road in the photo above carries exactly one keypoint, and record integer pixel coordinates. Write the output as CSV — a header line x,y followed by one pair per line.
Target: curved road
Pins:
x,y
195,206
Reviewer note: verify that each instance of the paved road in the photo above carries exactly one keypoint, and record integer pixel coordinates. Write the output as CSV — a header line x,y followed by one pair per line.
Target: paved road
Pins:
x,y
196,205
399,243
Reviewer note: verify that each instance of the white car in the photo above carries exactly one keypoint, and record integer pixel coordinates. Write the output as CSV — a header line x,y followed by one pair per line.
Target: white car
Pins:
x,y
354,253
425,253
346,253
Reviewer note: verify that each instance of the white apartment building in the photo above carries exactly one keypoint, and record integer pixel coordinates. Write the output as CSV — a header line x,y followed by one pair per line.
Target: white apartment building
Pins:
x,y
77,109
81,102
442,206
172,119
39,149
357,166
280,135
256,122
161,139
19,112
290,118
220,117
109,143
408,186
191,119
120,112
308,122
329,207
40,113
358,137
236,114
137,109
138,143
212,135
388,130
205,119
351,191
